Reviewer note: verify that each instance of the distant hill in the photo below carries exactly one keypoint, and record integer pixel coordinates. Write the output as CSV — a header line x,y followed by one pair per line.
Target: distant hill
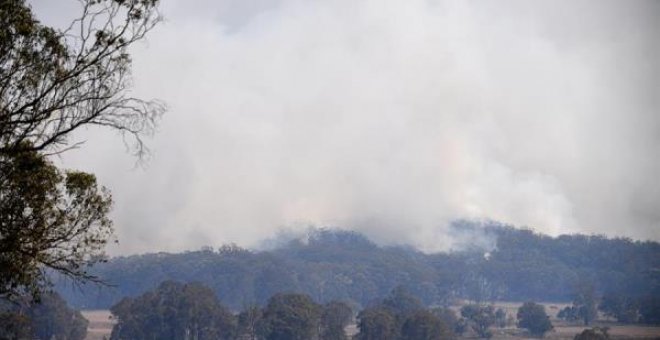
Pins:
x,y
332,264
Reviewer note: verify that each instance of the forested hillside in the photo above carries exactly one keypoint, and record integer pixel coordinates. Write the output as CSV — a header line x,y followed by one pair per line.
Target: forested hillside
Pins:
x,y
341,265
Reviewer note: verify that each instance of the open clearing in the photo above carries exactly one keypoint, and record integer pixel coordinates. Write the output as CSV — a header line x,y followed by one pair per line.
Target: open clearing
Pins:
x,y
100,324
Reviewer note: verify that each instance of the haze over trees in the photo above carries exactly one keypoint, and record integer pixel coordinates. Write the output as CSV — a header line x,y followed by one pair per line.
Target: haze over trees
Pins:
x,y
192,311
346,266
424,325
532,316
376,322
52,83
480,318
173,311
48,318
585,302
182,311
649,310
623,308
335,316
401,315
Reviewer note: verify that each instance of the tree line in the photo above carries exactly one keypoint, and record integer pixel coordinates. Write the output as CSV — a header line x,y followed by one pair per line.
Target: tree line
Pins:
x,y
176,310
342,265
54,82
191,311
48,317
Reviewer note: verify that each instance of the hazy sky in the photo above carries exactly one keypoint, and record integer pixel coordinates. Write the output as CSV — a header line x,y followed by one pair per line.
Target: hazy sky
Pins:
x,y
388,117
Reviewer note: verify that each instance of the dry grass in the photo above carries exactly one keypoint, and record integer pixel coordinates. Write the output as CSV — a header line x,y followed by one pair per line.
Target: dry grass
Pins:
x,y
569,332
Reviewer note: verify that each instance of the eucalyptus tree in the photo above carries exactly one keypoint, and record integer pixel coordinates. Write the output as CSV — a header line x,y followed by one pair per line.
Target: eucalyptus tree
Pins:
x,y
54,82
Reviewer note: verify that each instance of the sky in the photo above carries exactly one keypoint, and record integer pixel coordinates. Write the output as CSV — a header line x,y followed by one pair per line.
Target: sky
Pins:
x,y
391,118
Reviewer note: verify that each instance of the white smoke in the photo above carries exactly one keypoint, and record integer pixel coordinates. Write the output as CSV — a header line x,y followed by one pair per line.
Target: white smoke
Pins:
x,y
392,118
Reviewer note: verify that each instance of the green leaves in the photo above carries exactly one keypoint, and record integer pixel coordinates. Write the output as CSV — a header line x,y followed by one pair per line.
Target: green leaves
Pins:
x,y
173,311
291,317
52,82
48,221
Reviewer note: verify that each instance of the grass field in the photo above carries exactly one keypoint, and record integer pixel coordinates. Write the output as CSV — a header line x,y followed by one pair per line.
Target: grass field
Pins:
x,y
564,331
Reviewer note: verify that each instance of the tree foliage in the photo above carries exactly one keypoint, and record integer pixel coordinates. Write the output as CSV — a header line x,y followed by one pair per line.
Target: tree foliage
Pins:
x,y
424,325
173,311
568,313
532,316
500,318
48,318
335,316
346,266
585,301
52,83
596,333
377,323
401,302
649,310
14,325
621,307
448,317
291,317
400,315
250,323
480,318
49,221
630,309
